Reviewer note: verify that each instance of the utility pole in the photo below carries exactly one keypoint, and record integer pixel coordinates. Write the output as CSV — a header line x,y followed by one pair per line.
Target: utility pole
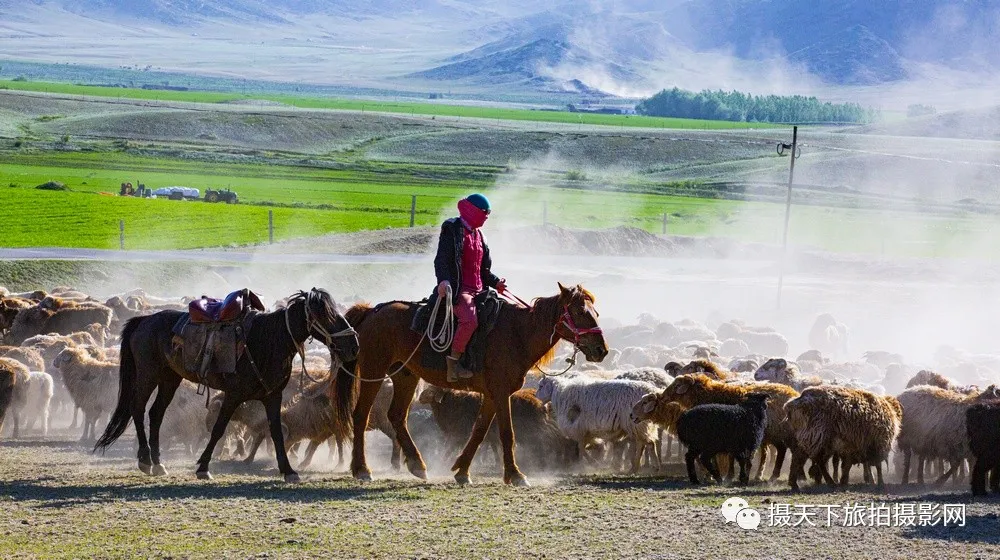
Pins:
x,y
794,147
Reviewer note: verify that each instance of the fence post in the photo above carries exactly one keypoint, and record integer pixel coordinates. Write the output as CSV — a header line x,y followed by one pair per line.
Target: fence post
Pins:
x,y
121,235
413,211
270,226
545,213
664,223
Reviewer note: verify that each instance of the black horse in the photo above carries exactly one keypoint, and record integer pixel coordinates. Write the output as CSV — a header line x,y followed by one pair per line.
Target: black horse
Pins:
x,y
272,340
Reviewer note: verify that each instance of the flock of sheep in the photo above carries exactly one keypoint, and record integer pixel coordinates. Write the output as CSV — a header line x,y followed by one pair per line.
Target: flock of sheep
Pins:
x,y
728,394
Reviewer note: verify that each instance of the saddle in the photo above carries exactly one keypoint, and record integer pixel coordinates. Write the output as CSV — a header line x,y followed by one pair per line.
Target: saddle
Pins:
x,y
488,306
210,338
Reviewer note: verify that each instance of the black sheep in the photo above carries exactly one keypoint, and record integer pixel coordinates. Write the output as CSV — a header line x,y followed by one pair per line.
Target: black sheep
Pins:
x,y
736,429
982,422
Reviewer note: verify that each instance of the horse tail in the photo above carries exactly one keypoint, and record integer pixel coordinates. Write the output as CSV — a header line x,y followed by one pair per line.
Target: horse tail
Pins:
x,y
127,374
346,385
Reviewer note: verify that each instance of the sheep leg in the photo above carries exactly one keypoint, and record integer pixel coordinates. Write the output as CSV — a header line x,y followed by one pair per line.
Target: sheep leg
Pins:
x,y
708,461
906,466
399,408
487,411
880,482
920,469
795,470
272,405
979,478
258,438
229,404
845,474
164,394
689,461
17,422
313,445
763,459
952,469
745,464
994,478
779,461
76,410
866,471
637,448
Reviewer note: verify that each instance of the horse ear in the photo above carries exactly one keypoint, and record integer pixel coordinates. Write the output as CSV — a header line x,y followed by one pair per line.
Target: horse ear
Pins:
x,y
562,289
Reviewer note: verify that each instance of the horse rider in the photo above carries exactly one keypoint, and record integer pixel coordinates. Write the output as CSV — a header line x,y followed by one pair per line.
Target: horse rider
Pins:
x,y
463,263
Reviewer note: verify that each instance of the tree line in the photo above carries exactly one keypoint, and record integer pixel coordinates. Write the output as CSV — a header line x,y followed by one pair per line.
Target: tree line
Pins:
x,y
744,107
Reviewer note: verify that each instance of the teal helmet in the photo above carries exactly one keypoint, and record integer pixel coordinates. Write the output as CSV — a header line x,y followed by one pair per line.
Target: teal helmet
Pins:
x,y
479,201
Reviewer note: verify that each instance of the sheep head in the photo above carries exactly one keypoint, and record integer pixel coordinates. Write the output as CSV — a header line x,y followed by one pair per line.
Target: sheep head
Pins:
x,y
643,409
777,370
688,390
673,369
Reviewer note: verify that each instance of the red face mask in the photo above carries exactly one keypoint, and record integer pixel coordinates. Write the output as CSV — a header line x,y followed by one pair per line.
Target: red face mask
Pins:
x,y
472,215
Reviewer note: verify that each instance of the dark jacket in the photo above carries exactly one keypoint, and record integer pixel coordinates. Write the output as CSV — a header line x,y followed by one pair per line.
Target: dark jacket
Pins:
x,y
448,262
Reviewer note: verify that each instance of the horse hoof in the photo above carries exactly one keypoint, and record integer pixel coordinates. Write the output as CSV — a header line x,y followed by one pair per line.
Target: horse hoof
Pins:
x,y
292,478
159,470
520,482
146,468
462,479
363,476
203,475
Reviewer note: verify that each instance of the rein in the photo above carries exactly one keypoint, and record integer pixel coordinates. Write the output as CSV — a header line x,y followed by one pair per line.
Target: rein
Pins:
x,y
312,323
566,320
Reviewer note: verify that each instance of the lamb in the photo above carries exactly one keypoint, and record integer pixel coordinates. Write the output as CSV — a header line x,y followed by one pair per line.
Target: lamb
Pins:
x,y
761,340
829,337
830,421
184,420
309,416
779,370
982,423
8,382
39,397
710,429
587,410
30,357
693,390
934,427
653,376
64,320
20,390
927,377
91,383
705,367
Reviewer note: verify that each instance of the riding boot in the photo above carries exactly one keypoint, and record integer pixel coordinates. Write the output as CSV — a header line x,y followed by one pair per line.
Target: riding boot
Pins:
x,y
455,369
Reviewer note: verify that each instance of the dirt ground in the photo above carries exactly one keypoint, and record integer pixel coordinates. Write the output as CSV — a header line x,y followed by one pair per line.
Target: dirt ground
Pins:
x,y
58,500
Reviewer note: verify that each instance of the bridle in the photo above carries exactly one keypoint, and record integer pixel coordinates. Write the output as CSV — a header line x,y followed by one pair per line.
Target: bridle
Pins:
x,y
314,324
566,320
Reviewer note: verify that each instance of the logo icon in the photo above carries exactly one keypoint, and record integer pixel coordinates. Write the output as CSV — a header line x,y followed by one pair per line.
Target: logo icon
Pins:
x,y
739,511
748,519
731,507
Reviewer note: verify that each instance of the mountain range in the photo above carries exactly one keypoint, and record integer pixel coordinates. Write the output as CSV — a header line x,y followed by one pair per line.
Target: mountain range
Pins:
x,y
617,46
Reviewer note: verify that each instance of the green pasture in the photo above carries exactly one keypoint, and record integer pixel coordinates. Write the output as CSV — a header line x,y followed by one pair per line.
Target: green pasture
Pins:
x,y
404,107
310,201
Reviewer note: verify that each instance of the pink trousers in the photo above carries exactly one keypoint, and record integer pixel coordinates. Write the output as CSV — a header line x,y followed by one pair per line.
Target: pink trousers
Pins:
x,y
465,310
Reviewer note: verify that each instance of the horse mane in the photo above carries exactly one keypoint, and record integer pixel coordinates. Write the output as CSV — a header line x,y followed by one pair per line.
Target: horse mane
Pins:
x,y
357,313
543,307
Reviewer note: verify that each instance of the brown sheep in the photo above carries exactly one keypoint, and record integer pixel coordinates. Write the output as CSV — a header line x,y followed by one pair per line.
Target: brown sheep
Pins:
x,y
830,421
539,439
8,382
927,377
9,308
30,357
692,390
309,416
780,370
67,320
934,427
706,367
19,395
92,383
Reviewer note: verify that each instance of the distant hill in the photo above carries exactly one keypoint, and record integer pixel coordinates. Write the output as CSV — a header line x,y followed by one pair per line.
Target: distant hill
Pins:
x,y
629,44
976,124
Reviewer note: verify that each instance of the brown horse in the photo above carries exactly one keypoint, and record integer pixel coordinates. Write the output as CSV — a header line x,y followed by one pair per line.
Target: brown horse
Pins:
x,y
521,338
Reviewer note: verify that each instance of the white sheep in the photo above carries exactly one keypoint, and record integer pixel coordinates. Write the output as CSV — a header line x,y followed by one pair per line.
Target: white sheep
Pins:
x,y
587,410
40,389
829,337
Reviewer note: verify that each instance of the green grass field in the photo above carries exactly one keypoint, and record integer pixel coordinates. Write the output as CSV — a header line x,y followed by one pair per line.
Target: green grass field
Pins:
x,y
414,108
310,201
